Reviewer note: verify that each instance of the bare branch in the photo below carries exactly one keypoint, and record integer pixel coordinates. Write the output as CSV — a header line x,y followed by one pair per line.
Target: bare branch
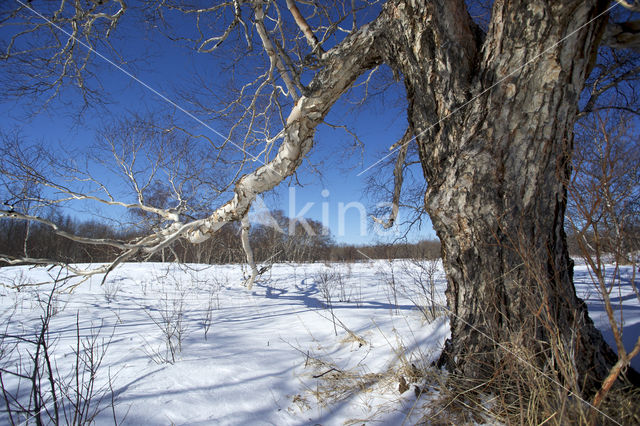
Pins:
x,y
607,81
47,61
270,50
633,5
95,241
140,154
624,35
398,177
237,19
305,28
309,111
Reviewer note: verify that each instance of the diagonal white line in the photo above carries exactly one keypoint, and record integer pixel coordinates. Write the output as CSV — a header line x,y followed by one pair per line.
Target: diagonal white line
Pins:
x,y
511,74
364,254
142,83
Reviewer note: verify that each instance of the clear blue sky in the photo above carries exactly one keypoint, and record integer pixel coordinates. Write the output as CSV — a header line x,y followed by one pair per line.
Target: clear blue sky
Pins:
x,y
167,67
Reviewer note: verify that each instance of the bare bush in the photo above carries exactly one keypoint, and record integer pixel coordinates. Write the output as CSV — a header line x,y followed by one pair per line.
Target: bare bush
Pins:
x,y
421,287
326,283
37,390
111,288
168,314
328,381
344,292
604,203
213,288
388,275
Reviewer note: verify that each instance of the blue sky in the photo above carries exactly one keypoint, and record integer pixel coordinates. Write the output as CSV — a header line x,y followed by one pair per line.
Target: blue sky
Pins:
x,y
167,67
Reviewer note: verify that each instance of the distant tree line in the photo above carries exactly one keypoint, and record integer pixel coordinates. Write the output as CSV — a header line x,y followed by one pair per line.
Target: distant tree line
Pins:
x,y
425,249
275,240
271,242
20,238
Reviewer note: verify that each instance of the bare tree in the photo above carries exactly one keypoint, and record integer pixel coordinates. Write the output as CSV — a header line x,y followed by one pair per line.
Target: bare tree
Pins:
x,y
55,394
491,109
51,61
604,201
604,198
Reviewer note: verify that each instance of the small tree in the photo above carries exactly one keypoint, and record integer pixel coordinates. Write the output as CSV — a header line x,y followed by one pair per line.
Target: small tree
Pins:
x,y
604,206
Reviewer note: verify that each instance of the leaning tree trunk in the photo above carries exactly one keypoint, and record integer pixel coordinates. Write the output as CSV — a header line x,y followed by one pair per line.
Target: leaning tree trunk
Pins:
x,y
493,118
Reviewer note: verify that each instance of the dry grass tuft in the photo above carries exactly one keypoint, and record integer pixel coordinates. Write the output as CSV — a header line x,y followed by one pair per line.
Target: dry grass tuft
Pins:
x,y
521,394
622,404
334,384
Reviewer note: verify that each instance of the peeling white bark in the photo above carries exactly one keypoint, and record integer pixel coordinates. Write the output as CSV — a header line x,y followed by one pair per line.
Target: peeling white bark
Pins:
x,y
344,63
248,251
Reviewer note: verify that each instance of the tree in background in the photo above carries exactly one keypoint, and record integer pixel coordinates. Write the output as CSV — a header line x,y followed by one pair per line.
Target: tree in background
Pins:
x,y
603,212
604,195
491,107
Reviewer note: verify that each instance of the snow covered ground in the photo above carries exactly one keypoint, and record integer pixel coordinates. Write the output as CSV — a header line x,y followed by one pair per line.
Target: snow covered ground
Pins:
x,y
310,344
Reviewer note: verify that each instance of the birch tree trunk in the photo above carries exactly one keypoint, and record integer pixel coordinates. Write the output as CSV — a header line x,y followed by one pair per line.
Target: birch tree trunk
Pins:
x,y
493,118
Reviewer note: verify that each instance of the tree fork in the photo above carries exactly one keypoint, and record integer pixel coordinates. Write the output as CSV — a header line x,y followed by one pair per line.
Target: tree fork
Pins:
x,y
493,118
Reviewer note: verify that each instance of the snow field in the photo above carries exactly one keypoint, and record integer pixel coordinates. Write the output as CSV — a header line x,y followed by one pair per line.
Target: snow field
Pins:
x,y
310,344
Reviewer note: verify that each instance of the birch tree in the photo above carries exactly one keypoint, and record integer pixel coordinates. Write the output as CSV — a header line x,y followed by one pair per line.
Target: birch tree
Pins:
x,y
491,110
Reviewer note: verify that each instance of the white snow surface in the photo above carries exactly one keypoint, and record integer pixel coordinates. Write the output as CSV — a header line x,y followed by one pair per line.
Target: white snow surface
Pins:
x,y
264,347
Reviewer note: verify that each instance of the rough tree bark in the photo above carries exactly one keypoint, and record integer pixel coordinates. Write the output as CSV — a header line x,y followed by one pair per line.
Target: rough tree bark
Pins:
x,y
493,117
497,170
